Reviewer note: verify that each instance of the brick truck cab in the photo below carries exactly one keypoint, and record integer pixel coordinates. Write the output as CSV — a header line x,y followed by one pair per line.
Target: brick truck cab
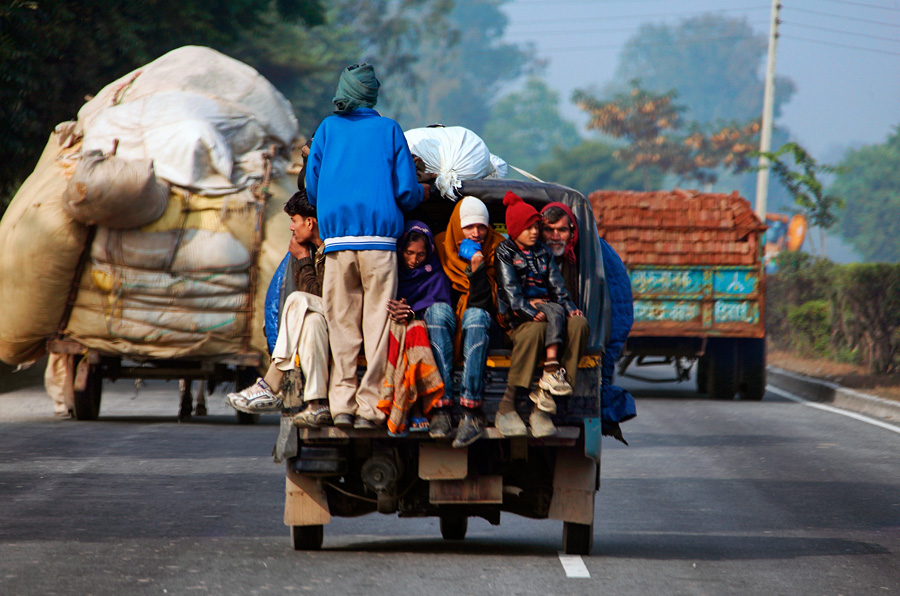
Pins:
x,y
696,266
347,473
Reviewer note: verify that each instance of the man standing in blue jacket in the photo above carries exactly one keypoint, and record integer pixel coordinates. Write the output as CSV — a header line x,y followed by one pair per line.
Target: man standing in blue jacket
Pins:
x,y
360,177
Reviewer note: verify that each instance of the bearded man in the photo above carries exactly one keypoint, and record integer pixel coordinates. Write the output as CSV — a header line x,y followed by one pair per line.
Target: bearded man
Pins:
x,y
560,233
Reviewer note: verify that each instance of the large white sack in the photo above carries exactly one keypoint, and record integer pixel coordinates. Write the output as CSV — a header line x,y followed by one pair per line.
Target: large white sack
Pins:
x,y
106,190
206,303
204,71
173,251
193,140
453,153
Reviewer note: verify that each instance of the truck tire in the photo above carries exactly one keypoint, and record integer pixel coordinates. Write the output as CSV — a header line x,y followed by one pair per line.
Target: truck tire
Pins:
x,y
722,381
454,527
307,537
702,374
578,539
87,402
753,369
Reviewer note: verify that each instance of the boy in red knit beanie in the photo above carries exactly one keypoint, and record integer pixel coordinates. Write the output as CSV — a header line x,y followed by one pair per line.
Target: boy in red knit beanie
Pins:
x,y
534,303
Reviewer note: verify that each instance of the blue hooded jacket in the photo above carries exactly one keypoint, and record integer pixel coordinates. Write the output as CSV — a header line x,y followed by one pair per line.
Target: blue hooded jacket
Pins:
x,y
360,177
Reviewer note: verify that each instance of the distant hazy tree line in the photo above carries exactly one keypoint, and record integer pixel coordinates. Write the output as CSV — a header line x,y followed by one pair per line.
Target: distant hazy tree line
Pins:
x,y
682,108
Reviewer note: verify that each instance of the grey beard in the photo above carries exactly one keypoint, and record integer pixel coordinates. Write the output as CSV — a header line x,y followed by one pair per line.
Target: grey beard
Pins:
x,y
557,249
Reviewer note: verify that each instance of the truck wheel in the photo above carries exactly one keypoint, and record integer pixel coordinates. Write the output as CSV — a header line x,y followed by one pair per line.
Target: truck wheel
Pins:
x,y
723,370
87,402
578,539
307,537
453,527
702,374
753,369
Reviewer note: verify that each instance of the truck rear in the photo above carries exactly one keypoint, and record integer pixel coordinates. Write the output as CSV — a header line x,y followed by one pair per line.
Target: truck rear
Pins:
x,y
351,472
696,266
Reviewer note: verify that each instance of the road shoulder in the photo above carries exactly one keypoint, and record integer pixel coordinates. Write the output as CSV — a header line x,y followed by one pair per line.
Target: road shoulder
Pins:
x,y
833,394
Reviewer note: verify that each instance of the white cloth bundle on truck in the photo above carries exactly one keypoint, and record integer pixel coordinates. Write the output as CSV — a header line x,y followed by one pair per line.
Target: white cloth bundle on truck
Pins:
x,y
455,154
106,190
194,141
201,71
184,283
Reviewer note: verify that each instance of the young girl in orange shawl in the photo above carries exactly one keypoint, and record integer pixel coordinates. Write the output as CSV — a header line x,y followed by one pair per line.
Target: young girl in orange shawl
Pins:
x,y
466,251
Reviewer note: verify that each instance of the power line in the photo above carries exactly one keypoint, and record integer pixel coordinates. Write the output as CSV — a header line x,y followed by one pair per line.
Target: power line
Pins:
x,y
642,45
893,39
638,16
588,1
840,45
863,4
841,16
592,30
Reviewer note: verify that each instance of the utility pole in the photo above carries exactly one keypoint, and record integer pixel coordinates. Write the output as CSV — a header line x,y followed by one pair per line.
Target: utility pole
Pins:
x,y
765,136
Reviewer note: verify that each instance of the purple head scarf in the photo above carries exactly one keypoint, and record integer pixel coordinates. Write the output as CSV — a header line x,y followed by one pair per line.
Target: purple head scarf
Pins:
x,y
427,283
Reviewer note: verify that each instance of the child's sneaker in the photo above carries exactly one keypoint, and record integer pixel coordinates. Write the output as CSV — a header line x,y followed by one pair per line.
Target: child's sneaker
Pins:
x,y
255,399
555,382
544,401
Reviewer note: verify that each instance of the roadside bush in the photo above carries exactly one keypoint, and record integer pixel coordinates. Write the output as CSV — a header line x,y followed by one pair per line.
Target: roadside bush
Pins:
x,y
810,325
800,278
867,304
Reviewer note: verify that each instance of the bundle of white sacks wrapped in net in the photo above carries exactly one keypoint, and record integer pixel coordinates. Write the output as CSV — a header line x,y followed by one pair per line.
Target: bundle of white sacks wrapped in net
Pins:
x,y
158,173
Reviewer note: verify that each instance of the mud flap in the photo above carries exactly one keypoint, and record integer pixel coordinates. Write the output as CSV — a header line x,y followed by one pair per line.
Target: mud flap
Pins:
x,y
305,503
286,443
574,485
592,436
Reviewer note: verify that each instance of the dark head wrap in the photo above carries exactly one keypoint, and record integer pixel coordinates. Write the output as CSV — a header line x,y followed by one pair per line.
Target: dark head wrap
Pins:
x,y
427,283
358,88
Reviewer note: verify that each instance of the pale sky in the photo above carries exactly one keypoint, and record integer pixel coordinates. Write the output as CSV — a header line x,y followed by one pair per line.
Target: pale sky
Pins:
x,y
843,56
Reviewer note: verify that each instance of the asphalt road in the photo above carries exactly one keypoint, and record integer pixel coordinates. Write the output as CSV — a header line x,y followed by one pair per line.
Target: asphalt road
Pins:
x,y
709,498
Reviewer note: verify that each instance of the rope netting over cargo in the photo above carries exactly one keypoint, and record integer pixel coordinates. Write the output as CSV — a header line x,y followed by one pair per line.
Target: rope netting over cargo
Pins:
x,y
678,227
176,175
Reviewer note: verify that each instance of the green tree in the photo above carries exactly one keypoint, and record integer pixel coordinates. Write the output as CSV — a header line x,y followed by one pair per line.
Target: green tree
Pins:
x,y
659,140
800,176
869,179
52,54
713,62
591,166
525,126
438,60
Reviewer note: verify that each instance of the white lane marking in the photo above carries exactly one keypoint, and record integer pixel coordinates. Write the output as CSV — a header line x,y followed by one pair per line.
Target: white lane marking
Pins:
x,y
833,410
574,566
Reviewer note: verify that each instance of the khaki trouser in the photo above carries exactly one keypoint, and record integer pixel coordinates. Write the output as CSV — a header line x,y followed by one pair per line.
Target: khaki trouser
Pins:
x,y
357,287
303,339
529,349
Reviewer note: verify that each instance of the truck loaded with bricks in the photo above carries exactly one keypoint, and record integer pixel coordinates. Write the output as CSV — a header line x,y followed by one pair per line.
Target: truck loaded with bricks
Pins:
x,y
696,263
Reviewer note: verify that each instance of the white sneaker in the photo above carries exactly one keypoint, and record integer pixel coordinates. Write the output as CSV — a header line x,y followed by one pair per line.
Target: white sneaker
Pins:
x,y
544,401
555,382
255,399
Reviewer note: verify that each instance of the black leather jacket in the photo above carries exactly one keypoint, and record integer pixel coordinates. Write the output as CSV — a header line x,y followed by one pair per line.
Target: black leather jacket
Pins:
x,y
509,263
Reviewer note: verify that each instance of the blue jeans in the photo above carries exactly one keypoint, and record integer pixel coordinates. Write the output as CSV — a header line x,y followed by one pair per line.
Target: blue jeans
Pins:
x,y
476,324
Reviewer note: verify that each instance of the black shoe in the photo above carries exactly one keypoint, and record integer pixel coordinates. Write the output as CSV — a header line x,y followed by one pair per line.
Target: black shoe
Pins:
x,y
364,424
441,425
471,428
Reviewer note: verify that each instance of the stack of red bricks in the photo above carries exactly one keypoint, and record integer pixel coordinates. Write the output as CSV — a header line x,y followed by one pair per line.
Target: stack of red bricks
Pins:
x,y
678,227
